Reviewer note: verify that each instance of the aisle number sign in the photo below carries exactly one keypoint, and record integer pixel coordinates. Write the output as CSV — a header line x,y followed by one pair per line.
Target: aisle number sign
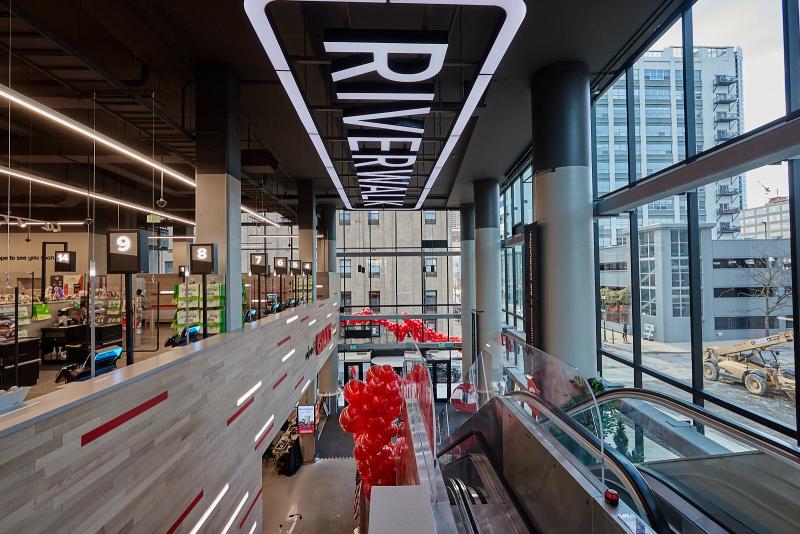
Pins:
x,y
281,265
295,267
127,252
258,263
203,258
66,261
307,270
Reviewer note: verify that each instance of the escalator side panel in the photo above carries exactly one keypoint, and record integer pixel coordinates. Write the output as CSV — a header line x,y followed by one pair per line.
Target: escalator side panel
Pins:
x,y
546,485
549,491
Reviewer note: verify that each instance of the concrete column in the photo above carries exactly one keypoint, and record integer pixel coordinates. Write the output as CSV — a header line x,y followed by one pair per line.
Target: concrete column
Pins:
x,y
327,255
487,260
563,208
218,195
307,226
467,283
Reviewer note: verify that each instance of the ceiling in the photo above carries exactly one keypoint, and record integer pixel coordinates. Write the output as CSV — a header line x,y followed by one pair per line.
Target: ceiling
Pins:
x,y
129,66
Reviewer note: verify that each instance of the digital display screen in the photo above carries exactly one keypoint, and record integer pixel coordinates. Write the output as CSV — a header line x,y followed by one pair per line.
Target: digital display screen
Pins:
x,y
305,419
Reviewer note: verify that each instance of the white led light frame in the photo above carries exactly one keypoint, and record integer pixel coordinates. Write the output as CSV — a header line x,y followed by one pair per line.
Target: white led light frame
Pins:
x,y
514,15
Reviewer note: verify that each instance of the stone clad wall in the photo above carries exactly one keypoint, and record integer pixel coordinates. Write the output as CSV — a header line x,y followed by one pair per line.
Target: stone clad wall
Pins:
x,y
152,447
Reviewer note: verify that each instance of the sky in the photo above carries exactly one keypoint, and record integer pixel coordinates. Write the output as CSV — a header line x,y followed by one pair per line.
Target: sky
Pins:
x,y
731,23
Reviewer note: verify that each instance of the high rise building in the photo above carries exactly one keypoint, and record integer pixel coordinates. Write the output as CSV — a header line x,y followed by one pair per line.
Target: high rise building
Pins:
x,y
770,221
660,130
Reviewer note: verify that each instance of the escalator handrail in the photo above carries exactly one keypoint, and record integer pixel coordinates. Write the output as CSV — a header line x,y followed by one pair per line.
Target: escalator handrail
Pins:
x,y
748,435
625,467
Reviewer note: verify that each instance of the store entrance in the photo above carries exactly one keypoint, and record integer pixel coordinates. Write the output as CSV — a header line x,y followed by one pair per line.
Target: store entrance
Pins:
x,y
441,376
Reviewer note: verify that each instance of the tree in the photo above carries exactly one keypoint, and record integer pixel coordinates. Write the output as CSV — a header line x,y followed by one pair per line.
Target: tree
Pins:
x,y
770,278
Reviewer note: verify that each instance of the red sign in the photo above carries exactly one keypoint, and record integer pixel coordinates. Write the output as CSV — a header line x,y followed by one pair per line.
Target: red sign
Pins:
x,y
323,338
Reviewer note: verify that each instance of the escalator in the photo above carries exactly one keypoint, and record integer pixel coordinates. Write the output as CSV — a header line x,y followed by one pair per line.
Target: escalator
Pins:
x,y
509,472
542,452
521,464
709,473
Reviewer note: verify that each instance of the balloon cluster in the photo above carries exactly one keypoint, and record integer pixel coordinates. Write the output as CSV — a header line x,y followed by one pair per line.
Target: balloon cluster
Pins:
x,y
373,408
403,329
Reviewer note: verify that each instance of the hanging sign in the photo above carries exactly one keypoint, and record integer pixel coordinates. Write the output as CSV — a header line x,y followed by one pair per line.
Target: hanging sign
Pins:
x,y
203,258
66,261
258,263
307,268
281,265
386,83
295,267
127,252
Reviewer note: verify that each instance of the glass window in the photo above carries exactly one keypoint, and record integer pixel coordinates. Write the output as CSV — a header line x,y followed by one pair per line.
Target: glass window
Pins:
x,y
527,191
374,299
747,295
374,217
347,300
374,268
430,301
345,267
660,101
740,65
430,217
615,286
664,291
344,217
430,267
613,118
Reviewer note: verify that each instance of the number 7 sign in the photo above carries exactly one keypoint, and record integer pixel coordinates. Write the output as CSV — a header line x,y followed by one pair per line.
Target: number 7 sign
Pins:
x,y
258,263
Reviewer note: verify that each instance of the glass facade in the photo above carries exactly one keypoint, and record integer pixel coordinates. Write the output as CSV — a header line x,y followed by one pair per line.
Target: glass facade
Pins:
x,y
516,210
705,269
399,263
714,263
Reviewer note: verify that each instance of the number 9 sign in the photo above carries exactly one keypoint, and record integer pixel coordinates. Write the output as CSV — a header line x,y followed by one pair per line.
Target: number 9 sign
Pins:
x,y
127,251
123,243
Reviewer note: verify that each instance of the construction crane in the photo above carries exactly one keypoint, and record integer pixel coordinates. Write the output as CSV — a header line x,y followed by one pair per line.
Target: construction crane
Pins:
x,y
753,363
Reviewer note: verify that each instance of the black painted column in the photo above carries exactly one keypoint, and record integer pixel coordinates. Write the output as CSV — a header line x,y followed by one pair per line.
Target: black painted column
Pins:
x,y
218,195
563,208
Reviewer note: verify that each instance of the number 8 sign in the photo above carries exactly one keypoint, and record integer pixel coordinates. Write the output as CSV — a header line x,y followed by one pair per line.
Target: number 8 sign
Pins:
x,y
203,259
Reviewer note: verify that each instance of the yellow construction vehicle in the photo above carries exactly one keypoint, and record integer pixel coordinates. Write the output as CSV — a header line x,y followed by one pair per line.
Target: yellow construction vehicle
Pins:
x,y
752,363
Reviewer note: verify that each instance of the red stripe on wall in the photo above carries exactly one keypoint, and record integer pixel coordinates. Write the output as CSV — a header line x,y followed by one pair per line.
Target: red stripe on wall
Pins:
x,y
232,418
284,340
299,381
267,431
321,305
185,513
121,419
304,318
281,379
250,508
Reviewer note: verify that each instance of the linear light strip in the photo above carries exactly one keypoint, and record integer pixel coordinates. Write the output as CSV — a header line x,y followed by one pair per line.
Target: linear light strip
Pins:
x,y
258,216
253,528
54,116
308,383
229,524
248,394
264,428
291,319
208,511
56,185
289,355
515,14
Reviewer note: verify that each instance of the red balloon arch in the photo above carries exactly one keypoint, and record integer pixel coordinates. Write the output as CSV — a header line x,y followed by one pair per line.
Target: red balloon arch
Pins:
x,y
404,328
